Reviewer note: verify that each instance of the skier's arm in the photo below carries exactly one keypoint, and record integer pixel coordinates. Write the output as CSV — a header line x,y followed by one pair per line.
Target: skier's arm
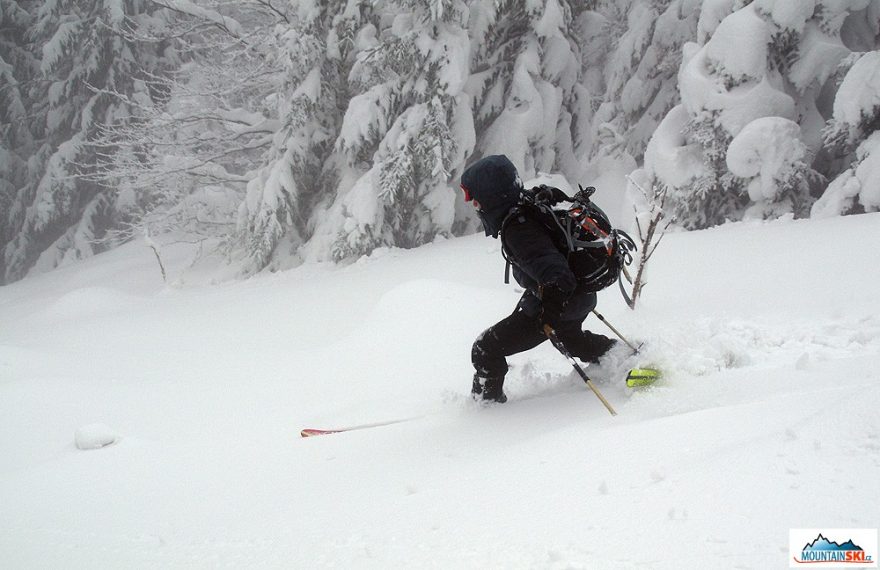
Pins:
x,y
531,248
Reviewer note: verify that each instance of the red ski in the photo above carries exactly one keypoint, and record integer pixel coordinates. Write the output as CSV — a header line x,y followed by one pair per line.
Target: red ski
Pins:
x,y
311,432
308,432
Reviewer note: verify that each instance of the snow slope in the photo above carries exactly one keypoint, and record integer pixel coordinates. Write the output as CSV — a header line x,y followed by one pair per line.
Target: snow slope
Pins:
x,y
767,419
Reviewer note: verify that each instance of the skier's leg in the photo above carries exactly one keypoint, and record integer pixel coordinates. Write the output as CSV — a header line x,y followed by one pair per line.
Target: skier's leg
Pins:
x,y
585,345
516,333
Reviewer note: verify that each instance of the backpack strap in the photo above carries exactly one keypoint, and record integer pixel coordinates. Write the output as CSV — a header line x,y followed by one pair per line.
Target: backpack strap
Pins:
x,y
623,291
516,210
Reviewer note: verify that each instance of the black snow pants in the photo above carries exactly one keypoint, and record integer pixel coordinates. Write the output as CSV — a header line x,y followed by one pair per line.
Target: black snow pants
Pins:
x,y
522,330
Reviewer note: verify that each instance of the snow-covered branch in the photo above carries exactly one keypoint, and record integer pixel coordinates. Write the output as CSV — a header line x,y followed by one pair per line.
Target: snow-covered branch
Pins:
x,y
649,225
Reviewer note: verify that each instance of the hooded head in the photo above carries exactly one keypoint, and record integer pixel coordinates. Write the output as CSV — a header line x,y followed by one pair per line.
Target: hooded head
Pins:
x,y
494,185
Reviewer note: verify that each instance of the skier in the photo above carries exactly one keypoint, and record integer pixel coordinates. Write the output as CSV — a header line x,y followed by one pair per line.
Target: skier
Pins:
x,y
536,249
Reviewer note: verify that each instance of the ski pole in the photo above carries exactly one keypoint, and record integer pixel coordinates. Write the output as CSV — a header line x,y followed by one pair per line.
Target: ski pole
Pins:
x,y
551,334
620,336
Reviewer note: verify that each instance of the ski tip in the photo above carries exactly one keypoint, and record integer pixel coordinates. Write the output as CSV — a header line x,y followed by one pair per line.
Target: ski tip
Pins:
x,y
639,377
308,432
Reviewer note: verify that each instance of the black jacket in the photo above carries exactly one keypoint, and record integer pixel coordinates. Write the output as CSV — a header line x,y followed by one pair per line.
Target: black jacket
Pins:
x,y
537,252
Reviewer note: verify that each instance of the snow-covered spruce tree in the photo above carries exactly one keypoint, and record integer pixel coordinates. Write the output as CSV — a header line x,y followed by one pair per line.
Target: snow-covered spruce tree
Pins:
x,y
766,59
19,67
318,47
525,96
405,135
834,40
409,127
636,46
84,51
725,84
525,84
856,124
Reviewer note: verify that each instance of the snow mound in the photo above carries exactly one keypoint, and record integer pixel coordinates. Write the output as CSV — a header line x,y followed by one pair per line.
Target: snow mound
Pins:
x,y
89,301
95,436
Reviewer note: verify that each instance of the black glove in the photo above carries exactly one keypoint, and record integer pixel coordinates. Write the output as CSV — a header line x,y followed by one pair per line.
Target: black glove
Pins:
x,y
583,194
550,194
553,300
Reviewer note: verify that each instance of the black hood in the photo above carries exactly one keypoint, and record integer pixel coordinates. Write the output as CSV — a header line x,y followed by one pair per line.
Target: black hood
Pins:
x,y
493,182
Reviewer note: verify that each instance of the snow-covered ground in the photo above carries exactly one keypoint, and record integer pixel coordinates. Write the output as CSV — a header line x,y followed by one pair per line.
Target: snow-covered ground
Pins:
x,y
767,419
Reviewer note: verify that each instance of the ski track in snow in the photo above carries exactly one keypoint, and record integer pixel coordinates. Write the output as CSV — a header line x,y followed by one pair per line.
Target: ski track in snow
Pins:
x,y
707,346
710,345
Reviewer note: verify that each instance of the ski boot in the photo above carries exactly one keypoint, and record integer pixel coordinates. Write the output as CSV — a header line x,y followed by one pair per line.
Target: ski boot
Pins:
x,y
488,389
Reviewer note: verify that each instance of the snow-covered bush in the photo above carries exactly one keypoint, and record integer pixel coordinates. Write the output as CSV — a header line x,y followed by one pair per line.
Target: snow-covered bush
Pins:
x,y
651,223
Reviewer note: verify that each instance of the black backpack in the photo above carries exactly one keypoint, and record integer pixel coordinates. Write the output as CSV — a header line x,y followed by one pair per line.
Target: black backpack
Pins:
x,y
596,251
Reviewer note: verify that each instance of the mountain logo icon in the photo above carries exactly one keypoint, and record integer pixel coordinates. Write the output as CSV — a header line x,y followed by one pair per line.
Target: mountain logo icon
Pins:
x,y
822,543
